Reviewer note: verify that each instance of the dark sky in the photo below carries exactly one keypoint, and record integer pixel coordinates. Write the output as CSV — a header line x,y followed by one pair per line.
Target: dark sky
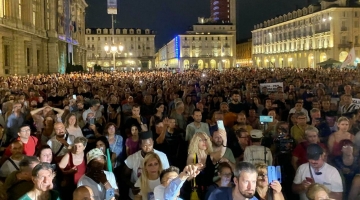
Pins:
x,y
171,17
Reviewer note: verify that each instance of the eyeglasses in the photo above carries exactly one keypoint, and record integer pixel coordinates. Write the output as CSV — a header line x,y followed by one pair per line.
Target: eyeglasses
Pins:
x,y
24,131
262,176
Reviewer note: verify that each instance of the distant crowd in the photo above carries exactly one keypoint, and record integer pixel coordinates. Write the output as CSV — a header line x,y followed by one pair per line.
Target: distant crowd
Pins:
x,y
199,134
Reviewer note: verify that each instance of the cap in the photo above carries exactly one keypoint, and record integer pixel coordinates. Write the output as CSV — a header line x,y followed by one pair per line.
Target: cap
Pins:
x,y
256,134
314,151
94,153
145,135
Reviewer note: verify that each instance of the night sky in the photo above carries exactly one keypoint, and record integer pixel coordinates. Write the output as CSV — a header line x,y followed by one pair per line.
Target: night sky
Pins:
x,y
171,17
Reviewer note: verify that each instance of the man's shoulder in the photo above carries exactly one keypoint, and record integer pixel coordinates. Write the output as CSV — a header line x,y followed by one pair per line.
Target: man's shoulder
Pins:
x,y
224,193
160,153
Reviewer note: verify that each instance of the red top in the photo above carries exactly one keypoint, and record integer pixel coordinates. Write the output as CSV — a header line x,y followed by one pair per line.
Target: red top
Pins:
x,y
300,152
29,147
81,169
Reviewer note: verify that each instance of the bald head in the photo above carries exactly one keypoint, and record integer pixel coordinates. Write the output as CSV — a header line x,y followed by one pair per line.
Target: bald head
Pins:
x,y
83,193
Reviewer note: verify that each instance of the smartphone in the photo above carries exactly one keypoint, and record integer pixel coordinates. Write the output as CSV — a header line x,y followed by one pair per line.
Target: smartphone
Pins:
x,y
220,124
310,180
274,174
110,193
266,119
92,121
74,96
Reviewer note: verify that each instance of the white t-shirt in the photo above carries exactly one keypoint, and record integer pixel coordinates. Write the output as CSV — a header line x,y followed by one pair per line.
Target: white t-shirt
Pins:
x,y
134,162
159,192
8,167
330,177
152,185
255,154
98,188
76,132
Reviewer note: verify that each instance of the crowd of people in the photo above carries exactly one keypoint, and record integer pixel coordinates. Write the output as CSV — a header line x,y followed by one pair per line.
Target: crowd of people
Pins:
x,y
159,135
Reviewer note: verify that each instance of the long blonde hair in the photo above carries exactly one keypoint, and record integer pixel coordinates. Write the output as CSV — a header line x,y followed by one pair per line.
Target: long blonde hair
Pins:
x,y
194,143
144,178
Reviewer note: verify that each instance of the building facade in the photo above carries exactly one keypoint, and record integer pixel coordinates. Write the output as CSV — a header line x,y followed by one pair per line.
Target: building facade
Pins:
x,y
307,36
211,43
244,53
29,35
139,48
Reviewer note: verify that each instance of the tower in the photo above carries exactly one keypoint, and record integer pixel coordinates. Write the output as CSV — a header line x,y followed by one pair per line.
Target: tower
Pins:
x,y
223,11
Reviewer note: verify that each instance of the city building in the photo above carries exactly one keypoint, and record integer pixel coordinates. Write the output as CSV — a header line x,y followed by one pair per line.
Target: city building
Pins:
x,y
304,37
211,42
139,48
41,36
244,53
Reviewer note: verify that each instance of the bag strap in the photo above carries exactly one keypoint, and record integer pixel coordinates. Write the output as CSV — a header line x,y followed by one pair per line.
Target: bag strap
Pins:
x,y
311,173
62,146
13,163
194,163
265,152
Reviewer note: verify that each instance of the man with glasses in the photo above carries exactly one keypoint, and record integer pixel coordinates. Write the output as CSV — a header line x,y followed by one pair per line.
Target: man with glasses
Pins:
x,y
317,171
245,177
299,108
95,105
298,130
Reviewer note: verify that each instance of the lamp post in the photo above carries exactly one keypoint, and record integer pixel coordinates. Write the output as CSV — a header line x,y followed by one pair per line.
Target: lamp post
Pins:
x,y
113,48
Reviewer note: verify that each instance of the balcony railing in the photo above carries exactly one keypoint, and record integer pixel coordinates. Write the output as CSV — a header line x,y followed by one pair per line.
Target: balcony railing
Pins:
x,y
344,28
344,45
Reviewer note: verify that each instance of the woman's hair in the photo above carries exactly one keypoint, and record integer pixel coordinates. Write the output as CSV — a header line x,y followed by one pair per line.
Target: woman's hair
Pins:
x,y
157,105
104,140
341,119
194,143
67,120
81,140
144,178
107,127
224,165
260,166
315,188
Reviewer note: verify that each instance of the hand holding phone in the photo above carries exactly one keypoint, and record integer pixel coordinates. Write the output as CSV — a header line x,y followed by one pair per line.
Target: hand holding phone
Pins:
x,y
310,180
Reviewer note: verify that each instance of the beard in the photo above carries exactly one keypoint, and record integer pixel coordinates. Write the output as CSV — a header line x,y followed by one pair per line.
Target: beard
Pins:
x,y
247,193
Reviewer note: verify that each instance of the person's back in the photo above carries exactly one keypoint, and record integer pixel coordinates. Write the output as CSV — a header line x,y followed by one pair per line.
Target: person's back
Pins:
x,y
257,153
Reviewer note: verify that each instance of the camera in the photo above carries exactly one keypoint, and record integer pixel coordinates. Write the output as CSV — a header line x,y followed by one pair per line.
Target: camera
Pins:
x,y
284,144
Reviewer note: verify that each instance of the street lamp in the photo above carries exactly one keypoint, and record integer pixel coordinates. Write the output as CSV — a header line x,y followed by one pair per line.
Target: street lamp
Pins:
x,y
113,48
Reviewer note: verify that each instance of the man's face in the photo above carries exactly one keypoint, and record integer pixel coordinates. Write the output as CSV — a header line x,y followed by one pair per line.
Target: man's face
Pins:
x,y
59,130
130,99
24,132
197,116
235,98
317,163
44,180
147,146
216,139
98,163
301,120
325,104
316,115
80,106
298,106
246,184
17,107
224,108
136,111
252,113
16,148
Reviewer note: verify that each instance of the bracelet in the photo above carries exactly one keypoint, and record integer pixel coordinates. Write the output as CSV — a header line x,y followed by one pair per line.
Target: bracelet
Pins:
x,y
107,182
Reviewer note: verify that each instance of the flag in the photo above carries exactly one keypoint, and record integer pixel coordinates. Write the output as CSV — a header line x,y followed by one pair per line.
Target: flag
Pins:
x,y
350,58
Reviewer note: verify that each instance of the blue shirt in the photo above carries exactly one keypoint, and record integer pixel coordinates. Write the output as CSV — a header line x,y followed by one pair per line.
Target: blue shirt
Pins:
x,y
117,148
172,190
223,193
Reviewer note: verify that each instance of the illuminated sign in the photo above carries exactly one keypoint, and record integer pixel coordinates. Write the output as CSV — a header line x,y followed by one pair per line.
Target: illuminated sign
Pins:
x,y
177,47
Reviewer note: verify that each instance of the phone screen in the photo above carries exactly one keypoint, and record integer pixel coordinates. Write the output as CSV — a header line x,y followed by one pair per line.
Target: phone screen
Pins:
x,y
220,124
92,121
74,96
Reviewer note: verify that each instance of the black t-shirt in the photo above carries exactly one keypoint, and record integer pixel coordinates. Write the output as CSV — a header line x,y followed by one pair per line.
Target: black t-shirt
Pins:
x,y
237,108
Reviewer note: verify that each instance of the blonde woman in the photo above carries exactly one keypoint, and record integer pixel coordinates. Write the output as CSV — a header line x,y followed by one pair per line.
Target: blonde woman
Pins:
x,y
262,185
150,177
317,192
201,151
342,134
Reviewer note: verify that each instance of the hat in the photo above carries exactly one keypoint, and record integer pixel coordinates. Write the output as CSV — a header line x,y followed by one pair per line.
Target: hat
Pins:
x,y
256,134
94,153
145,135
314,151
